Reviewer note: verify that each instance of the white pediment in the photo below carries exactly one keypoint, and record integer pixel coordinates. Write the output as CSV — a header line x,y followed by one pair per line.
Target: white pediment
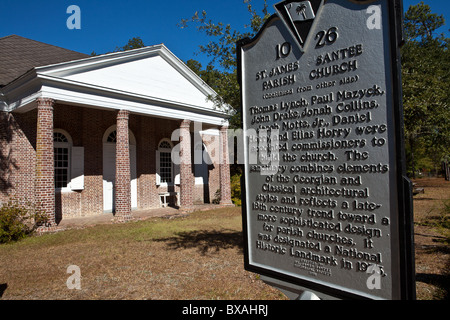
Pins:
x,y
152,72
148,81
151,76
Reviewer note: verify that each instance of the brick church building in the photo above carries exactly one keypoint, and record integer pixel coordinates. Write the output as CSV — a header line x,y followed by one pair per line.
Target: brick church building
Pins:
x,y
82,135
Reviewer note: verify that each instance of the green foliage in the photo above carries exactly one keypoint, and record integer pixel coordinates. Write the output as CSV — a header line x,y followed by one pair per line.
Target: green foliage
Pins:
x,y
236,189
424,161
222,49
18,221
426,87
421,23
133,43
425,77
224,83
217,197
221,72
440,221
445,215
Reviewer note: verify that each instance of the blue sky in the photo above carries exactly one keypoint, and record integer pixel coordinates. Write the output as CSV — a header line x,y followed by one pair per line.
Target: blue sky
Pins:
x,y
108,24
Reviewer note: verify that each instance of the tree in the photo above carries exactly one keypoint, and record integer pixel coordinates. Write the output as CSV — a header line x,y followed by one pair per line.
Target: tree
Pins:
x,y
420,23
425,77
133,43
221,72
226,86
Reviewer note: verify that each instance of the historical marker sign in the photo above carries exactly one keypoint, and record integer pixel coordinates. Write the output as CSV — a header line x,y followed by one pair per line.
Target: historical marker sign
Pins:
x,y
327,205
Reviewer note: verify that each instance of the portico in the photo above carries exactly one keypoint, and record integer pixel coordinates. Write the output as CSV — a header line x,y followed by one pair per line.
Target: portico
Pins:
x,y
106,130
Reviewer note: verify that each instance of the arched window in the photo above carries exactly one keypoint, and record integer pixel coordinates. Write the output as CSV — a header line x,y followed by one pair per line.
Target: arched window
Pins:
x,y
164,162
62,158
59,137
110,136
165,145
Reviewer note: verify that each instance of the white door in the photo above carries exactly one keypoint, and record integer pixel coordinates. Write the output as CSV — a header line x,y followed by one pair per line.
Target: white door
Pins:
x,y
109,176
133,172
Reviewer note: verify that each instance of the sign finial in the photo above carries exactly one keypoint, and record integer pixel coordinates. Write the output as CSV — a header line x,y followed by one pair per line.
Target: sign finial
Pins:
x,y
299,16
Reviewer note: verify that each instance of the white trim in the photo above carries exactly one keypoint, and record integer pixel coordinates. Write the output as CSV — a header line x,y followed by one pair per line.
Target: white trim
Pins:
x,y
77,169
102,61
108,174
68,145
113,99
3,105
210,132
158,164
50,82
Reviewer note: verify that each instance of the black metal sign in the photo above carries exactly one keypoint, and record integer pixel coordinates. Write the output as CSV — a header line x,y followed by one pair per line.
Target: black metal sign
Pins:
x,y
327,204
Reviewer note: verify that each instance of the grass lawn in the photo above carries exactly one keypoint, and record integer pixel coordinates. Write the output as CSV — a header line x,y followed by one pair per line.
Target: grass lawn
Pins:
x,y
196,257
432,239
199,256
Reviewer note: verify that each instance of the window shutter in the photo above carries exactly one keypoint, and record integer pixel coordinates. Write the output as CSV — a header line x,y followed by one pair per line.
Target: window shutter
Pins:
x,y
77,168
158,168
176,173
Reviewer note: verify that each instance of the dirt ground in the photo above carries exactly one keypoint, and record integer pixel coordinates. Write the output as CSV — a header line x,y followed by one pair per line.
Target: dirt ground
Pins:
x,y
195,257
198,256
432,239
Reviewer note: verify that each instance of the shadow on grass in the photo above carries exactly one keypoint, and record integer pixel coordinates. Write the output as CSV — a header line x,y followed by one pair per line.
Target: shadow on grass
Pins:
x,y
205,240
3,287
442,281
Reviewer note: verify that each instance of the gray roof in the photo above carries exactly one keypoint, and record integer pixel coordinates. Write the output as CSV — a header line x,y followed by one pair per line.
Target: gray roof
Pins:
x,y
19,55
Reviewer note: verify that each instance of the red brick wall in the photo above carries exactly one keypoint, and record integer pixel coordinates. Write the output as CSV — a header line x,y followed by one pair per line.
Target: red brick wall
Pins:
x,y
149,132
67,205
144,127
69,118
93,125
86,127
17,156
